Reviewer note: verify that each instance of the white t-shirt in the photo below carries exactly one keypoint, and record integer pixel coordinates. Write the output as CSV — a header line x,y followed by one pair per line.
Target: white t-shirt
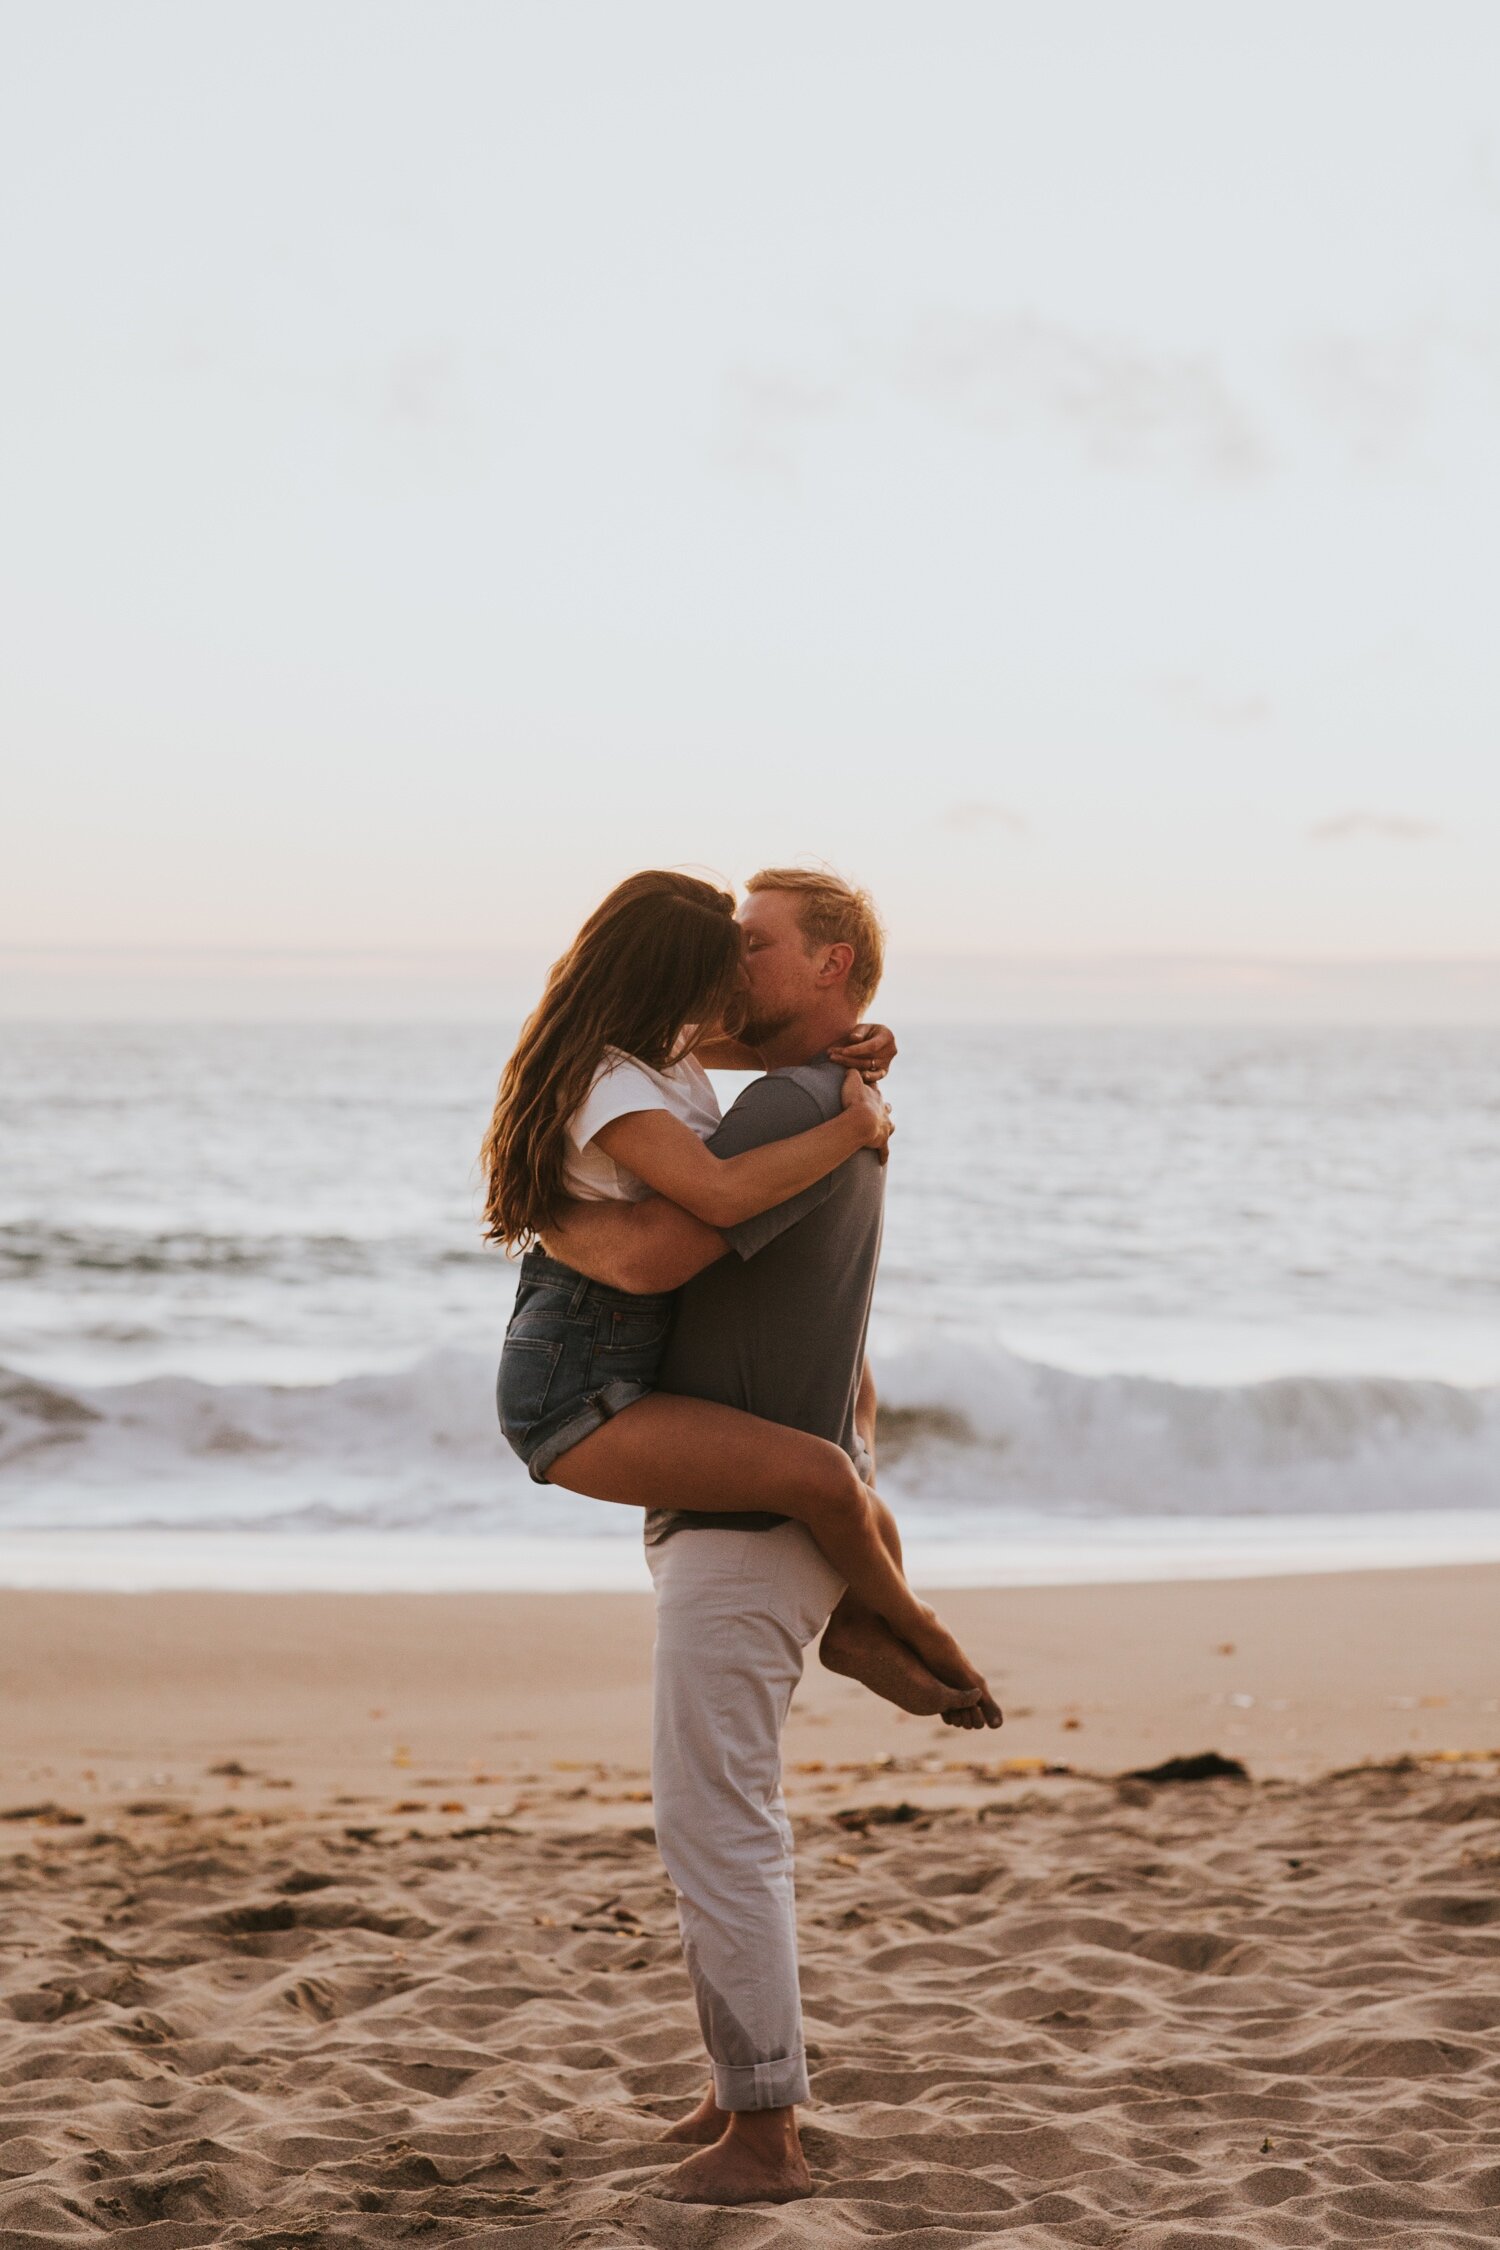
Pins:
x,y
621,1086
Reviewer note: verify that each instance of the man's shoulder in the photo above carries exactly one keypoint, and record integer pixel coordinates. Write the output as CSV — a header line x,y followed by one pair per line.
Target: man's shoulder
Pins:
x,y
788,1093
822,1079
772,1108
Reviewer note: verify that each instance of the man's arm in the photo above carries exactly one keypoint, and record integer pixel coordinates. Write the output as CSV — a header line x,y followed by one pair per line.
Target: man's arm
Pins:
x,y
641,1247
864,1413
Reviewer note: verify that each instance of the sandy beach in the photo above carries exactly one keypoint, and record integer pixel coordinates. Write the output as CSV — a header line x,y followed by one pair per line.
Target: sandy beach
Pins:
x,y
336,1918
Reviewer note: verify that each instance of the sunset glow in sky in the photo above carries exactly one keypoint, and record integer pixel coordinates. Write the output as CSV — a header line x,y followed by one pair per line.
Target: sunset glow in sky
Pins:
x,y
1042,460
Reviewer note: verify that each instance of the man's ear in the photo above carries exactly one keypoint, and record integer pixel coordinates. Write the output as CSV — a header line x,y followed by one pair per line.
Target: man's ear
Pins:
x,y
836,963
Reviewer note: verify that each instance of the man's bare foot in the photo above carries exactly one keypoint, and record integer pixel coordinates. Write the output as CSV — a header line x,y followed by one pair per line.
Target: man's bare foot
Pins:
x,y
703,2126
863,1647
757,2159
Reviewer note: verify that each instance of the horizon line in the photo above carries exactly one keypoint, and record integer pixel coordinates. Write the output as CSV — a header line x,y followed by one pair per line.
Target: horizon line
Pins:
x,y
1133,957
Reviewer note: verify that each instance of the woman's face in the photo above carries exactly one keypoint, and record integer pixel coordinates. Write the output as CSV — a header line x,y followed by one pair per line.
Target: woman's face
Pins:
x,y
738,1005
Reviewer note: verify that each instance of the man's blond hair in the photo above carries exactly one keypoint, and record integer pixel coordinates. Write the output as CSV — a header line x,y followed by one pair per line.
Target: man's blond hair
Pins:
x,y
833,912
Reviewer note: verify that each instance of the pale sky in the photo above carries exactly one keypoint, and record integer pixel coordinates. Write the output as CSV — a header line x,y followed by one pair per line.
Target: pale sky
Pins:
x,y
1041,459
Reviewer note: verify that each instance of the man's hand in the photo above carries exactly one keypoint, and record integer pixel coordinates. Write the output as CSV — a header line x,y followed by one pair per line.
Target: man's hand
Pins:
x,y
870,1049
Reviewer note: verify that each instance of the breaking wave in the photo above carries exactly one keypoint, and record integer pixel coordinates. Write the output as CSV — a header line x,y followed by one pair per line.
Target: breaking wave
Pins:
x,y
966,1439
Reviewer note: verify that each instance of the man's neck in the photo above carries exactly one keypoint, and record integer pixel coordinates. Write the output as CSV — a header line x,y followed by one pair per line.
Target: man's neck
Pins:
x,y
806,1040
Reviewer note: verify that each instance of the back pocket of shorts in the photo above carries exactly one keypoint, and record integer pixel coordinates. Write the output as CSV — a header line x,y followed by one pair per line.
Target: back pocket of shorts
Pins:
x,y
643,1332
527,1366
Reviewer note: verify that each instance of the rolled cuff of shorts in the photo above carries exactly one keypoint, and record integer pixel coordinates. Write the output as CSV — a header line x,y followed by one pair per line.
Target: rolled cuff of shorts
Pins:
x,y
596,1410
763,2085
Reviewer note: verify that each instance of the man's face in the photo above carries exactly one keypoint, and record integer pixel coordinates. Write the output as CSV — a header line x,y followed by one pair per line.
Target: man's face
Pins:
x,y
781,971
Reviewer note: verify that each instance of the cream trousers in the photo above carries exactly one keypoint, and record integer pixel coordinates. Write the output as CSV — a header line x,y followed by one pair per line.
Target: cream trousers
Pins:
x,y
734,1612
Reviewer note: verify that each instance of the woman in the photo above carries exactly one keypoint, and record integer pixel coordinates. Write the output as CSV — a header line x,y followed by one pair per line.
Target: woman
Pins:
x,y
607,1096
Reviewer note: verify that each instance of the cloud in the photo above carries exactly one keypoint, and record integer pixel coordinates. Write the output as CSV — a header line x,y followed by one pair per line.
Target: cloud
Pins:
x,y
1379,388
1199,702
1122,404
422,387
1126,407
765,412
1360,827
978,815
426,411
1374,388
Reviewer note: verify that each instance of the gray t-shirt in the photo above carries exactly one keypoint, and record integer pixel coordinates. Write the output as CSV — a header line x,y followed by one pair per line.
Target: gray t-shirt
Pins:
x,y
779,1329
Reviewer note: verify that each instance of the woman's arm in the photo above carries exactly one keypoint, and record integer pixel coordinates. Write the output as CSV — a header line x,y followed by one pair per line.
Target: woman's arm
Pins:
x,y
723,1190
870,1049
643,1248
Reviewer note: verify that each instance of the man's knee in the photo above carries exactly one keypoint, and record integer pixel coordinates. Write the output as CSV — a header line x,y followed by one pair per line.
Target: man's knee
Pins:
x,y
723,1844
716,1740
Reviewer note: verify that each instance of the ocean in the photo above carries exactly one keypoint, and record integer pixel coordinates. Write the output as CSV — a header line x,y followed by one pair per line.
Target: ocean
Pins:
x,y
1154,1303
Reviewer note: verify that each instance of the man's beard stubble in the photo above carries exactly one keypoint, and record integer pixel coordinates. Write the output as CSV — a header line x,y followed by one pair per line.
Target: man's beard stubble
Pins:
x,y
756,1030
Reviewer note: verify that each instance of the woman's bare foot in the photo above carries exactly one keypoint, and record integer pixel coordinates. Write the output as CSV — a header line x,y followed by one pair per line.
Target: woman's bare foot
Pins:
x,y
940,1652
702,2127
862,1646
757,2159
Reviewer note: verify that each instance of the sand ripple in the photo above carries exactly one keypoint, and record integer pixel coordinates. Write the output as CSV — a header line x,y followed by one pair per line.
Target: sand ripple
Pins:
x,y
1218,2015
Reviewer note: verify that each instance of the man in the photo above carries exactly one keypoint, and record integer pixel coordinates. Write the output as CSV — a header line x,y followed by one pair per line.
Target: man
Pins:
x,y
778,1330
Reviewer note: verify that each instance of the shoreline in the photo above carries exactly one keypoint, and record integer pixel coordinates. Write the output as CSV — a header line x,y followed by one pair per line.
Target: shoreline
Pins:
x,y
1029,1552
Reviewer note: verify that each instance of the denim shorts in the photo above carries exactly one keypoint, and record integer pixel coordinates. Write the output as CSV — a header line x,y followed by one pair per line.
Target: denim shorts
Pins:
x,y
575,1353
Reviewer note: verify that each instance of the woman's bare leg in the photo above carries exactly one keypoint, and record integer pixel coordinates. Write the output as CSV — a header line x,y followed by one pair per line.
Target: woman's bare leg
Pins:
x,y
672,1452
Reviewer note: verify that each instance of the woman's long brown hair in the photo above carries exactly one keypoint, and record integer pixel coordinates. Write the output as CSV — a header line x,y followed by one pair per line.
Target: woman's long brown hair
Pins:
x,y
661,953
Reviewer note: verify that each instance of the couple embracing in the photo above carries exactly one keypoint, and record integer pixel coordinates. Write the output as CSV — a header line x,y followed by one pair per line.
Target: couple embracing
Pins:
x,y
689,1339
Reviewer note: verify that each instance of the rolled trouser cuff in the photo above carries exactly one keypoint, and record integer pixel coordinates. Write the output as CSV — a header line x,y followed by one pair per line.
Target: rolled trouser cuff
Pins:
x,y
762,2085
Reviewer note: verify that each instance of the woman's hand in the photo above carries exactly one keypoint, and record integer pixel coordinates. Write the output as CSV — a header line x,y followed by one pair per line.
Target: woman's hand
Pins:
x,y
870,1049
873,1112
